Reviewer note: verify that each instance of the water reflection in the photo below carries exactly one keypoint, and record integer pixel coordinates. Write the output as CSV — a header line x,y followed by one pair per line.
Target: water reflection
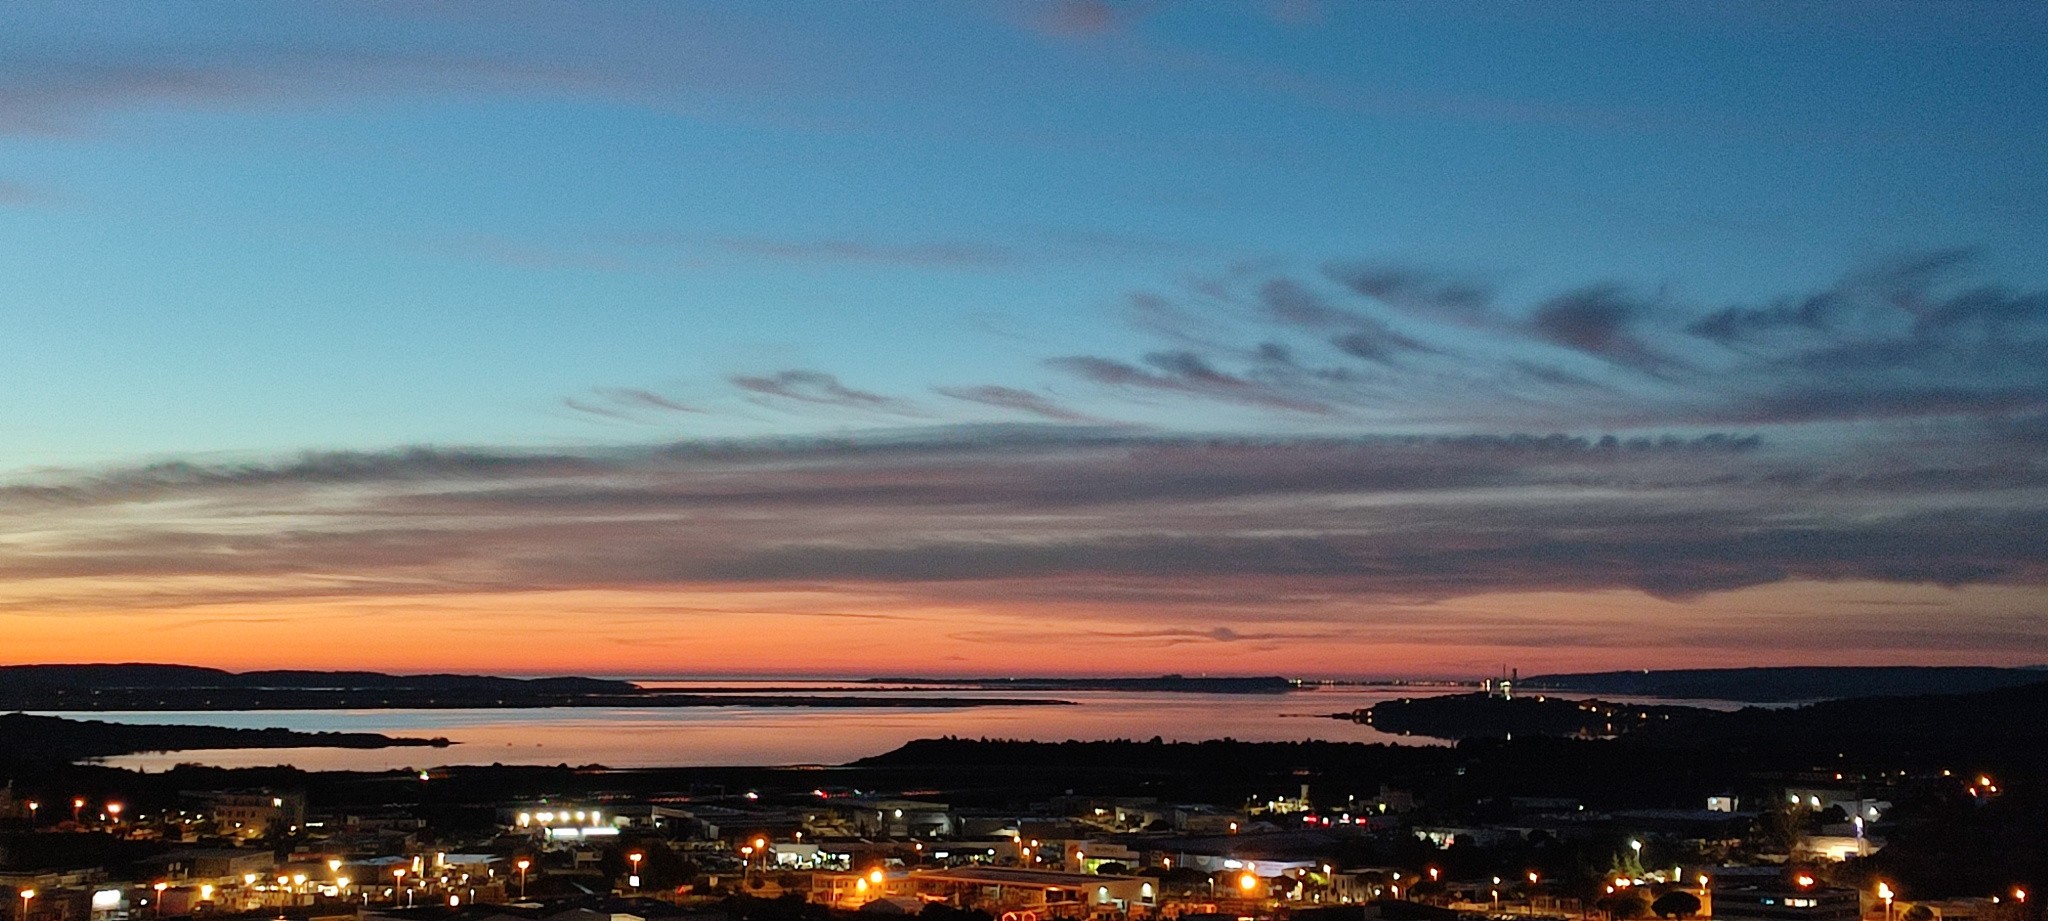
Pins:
x,y
751,735
656,737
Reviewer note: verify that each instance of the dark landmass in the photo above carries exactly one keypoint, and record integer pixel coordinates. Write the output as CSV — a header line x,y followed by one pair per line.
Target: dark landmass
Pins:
x,y
1775,685
89,688
1175,683
1998,725
25,738
1481,716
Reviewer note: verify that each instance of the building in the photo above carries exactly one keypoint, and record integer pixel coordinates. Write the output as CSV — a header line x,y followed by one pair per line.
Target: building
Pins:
x,y
256,813
999,890
1787,903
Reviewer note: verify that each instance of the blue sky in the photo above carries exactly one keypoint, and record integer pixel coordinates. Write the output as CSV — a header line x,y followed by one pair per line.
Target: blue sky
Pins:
x,y
238,232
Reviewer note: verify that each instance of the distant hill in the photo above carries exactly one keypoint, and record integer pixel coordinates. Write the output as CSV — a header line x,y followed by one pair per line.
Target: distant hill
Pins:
x,y
192,677
1778,685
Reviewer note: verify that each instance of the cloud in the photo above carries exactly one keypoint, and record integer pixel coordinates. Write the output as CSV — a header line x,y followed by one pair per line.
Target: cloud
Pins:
x,y
1184,372
915,255
1147,537
1012,398
1417,291
1912,338
1600,321
820,389
637,398
1905,338
1387,517
600,412
1357,334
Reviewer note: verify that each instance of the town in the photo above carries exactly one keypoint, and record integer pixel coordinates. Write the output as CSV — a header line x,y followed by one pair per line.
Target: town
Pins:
x,y
498,844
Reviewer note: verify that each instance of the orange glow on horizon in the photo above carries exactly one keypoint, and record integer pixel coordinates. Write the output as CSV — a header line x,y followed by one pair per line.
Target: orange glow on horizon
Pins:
x,y
942,630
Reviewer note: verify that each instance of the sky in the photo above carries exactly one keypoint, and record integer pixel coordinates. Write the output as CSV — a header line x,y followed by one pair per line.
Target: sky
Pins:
x,y
1060,337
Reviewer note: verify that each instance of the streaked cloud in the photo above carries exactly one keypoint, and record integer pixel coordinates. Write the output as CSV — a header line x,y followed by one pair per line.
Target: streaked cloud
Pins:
x,y
1023,401
918,255
820,389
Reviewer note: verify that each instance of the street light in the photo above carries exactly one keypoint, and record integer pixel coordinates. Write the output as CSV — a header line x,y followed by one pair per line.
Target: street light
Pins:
x,y
114,809
159,887
1884,891
32,807
26,895
77,803
634,858
522,864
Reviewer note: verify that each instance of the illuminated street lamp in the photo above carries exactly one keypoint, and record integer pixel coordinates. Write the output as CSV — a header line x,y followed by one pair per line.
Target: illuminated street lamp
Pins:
x,y
26,895
32,807
634,858
1884,891
77,803
522,864
114,809
159,887
2019,895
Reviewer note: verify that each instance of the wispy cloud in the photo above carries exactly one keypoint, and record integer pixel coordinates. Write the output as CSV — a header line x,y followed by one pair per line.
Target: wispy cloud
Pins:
x,y
1023,401
1910,338
1186,373
820,389
919,255
636,398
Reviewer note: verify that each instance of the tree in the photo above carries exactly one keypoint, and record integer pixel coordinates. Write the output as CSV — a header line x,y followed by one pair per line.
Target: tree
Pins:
x,y
1784,827
1624,904
1677,903
1184,881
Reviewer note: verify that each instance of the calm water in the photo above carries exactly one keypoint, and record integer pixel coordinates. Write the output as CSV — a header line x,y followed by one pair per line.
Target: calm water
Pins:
x,y
690,736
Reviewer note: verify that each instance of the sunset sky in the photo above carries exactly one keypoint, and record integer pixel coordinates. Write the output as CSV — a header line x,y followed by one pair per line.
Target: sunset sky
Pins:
x,y
1324,339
